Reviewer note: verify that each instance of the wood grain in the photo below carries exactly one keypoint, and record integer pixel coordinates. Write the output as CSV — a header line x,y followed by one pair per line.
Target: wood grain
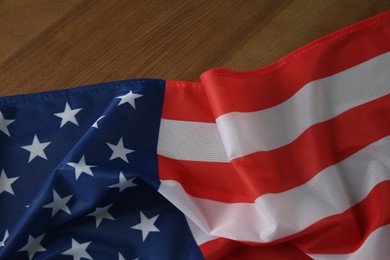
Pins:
x,y
47,45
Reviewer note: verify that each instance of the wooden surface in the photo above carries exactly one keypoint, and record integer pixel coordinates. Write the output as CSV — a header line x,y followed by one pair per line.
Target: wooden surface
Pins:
x,y
47,45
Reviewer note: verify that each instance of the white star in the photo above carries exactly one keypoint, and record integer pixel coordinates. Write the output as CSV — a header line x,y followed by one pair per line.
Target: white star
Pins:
x,y
100,214
6,235
81,167
5,183
68,115
78,250
33,246
4,124
129,98
123,183
36,149
95,125
146,225
59,203
119,151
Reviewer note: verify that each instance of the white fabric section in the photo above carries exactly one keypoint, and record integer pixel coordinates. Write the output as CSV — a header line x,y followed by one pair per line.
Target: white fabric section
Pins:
x,y
199,235
274,216
375,247
244,133
193,141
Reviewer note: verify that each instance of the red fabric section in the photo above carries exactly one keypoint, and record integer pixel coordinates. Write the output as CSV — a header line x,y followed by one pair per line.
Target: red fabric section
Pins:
x,y
344,233
229,91
227,249
215,181
186,101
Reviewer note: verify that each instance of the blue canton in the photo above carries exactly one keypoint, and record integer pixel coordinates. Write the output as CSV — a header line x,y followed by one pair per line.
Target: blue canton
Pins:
x,y
79,176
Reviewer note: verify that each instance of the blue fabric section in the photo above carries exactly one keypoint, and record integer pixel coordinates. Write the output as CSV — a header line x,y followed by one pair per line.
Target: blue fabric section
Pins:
x,y
49,186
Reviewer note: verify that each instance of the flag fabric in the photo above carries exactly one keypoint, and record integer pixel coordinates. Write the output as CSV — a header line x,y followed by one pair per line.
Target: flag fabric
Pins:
x,y
290,161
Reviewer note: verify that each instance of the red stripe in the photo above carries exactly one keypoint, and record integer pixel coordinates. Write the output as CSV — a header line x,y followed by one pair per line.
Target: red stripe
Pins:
x,y
227,249
345,233
320,146
186,101
215,181
229,91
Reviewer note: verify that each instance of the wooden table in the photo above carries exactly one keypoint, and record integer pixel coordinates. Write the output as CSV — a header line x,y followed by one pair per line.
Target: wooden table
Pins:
x,y
47,45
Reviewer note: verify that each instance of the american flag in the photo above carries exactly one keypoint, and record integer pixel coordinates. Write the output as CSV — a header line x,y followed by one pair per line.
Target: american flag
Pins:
x,y
290,161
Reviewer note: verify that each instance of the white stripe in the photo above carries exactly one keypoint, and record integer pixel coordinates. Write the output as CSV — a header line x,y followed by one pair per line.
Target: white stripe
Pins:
x,y
375,247
248,132
274,216
193,141
199,235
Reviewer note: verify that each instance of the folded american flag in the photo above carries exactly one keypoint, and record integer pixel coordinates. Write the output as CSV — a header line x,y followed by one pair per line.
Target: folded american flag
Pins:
x,y
290,161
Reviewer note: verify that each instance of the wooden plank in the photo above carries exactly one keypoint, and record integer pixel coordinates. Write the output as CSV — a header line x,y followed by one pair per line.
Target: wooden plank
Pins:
x,y
22,21
65,44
